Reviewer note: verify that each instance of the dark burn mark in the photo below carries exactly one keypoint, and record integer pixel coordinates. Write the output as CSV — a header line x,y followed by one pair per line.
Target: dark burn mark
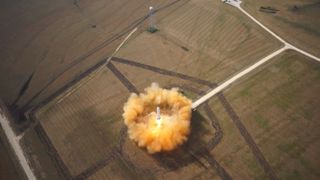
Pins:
x,y
163,71
23,89
122,78
184,48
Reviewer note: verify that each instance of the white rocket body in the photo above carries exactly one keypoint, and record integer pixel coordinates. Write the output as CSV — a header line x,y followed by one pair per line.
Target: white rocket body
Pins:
x,y
151,21
158,114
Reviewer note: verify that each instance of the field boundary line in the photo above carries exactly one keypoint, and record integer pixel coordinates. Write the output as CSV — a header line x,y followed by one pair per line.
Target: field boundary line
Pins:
x,y
99,69
287,46
248,138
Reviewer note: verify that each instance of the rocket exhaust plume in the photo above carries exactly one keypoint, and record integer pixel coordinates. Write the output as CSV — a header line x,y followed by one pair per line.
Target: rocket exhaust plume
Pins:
x,y
158,119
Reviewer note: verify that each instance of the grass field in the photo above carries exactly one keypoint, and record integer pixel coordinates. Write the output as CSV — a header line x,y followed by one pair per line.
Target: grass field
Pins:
x,y
81,123
279,106
85,130
206,39
296,21
263,126
40,156
42,39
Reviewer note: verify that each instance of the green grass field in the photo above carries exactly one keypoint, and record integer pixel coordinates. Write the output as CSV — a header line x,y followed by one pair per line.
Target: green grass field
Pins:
x,y
278,104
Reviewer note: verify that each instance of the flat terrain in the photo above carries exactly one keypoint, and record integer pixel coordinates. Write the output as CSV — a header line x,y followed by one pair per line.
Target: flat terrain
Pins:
x,y
54,41
206,39
278,105
84,132
297,21
263,126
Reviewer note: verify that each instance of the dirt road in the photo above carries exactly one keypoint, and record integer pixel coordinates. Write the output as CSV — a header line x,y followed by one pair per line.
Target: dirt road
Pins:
x,y
287,46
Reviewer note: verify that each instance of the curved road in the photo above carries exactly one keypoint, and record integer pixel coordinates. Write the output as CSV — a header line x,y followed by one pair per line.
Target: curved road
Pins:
x,y
14,140
287,46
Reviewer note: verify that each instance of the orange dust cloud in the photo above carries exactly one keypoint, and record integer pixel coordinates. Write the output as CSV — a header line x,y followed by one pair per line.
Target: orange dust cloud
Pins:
x,y
166,133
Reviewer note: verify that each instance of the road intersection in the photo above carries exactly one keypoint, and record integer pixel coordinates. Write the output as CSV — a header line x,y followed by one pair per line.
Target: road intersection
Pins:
x,y
14,140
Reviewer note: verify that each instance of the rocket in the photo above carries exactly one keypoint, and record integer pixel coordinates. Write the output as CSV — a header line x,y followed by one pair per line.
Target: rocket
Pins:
x,y
158,113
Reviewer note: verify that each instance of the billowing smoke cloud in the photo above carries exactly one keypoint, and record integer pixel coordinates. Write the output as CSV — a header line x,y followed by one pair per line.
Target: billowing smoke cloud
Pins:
x,y
141,119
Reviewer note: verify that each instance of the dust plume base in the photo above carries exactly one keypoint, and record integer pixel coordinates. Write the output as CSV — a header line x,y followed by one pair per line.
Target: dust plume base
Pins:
x,y
141,119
